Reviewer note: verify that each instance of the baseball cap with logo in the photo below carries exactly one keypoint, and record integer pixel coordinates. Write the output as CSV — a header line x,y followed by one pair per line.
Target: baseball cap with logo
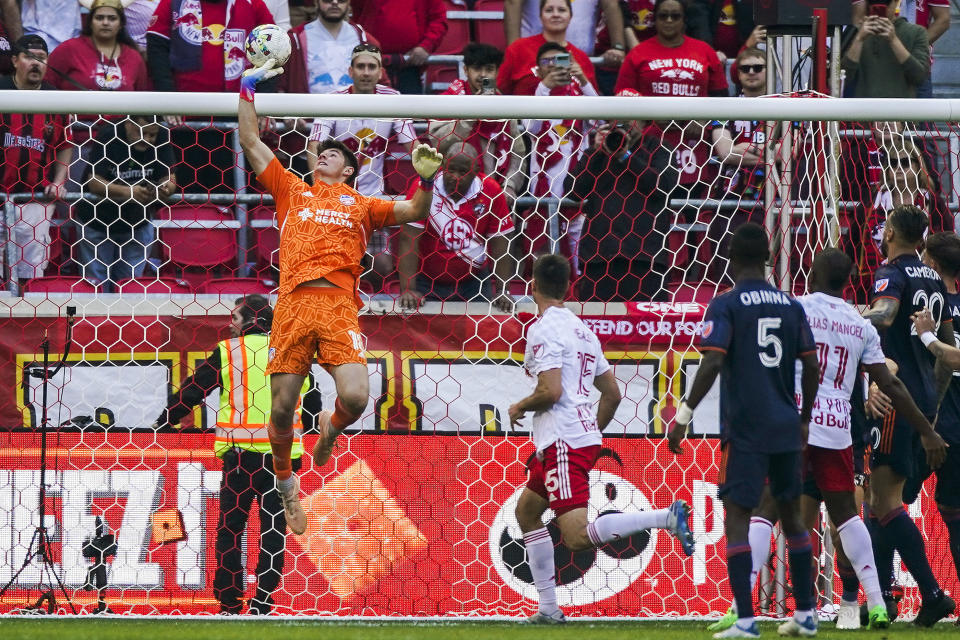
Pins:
x,y
28,42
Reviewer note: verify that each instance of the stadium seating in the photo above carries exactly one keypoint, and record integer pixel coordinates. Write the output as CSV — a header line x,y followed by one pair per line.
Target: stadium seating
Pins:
x,y
266,239
237,286
59,284
489,30
187,246
162,285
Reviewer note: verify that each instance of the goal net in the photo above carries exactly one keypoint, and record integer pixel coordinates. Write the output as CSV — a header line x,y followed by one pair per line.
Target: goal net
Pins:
x,y
161,229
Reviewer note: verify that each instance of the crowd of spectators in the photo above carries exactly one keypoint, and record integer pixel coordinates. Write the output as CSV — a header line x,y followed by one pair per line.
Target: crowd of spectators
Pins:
x,y
607,186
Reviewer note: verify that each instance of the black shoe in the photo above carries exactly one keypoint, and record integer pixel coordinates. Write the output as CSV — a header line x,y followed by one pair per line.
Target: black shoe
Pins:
x,y
893,611
933,612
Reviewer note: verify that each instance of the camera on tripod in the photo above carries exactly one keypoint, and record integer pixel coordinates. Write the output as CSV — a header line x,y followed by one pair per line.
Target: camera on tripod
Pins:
x,y
97,549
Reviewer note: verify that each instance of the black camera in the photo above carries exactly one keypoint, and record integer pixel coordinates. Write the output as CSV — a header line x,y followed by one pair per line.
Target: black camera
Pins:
x,y
615,139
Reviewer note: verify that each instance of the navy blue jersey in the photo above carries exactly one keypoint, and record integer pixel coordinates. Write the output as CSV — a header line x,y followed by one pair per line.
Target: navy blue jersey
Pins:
x,y
948,420
915,286
761,331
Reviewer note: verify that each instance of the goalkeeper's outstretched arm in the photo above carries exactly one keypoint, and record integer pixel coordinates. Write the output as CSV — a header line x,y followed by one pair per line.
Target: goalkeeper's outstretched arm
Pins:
x,y
257,153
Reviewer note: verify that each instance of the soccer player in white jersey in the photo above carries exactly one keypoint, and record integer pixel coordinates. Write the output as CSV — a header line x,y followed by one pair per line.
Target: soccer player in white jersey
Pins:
x,y
565,358
845,342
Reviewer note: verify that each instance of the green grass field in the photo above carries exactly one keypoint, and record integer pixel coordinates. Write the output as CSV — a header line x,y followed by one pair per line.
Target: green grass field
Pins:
x,y
166,629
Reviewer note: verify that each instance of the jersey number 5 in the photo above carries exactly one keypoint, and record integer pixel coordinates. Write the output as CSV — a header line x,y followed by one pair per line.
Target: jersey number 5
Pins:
x,y
766,339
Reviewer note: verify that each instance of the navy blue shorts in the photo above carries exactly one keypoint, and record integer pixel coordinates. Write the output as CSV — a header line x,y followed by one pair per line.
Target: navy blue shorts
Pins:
x,y
947,492
894,445
744,474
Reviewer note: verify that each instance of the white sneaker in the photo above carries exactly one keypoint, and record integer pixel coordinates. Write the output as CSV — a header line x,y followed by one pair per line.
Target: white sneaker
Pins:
x,y
793,627
849,616
292,511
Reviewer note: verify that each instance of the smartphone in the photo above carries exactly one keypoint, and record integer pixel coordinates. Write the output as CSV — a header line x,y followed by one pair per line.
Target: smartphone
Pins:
x,y
879,10
487,87
562,60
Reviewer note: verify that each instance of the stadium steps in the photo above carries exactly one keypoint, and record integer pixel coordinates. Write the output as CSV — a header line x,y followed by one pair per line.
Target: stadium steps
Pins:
x,y
946,54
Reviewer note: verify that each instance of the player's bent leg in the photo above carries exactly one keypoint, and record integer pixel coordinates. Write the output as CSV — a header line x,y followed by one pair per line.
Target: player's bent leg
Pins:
x,y
353,395
615,526
285,389
539,545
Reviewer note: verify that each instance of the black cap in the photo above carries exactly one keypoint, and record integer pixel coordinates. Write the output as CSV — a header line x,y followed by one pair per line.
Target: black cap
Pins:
x,y
28,42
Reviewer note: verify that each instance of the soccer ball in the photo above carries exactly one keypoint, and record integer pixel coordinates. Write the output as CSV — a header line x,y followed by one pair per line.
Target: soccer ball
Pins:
x,y
265,42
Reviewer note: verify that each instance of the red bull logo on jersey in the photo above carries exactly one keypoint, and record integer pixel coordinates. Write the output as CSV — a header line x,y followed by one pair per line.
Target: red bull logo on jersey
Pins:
x,y
234,57
108,76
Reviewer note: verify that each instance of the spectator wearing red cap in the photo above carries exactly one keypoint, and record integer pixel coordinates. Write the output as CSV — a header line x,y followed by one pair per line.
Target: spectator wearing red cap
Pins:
x,y
103,57
408,28
36,154
518,75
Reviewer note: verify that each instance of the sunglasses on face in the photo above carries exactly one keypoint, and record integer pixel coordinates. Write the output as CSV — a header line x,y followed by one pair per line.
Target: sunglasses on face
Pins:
x,y
751,68
335,1
670,15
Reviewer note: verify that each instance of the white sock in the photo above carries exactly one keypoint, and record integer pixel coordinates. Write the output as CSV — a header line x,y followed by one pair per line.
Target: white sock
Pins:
x,y
759,538
540,559
614,526
856,544
286,484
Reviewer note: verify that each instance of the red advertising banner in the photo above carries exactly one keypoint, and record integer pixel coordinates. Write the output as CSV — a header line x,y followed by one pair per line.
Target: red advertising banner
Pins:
x,y
415,514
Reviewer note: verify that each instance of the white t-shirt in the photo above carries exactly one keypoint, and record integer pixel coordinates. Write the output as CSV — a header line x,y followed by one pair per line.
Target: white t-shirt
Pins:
x,y
844,341
582,32
328,57
56,21
368,138
558,339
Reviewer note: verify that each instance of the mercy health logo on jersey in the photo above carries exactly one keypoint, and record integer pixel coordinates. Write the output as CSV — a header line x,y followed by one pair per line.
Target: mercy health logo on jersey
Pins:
x,y
587,576
881,285
326,216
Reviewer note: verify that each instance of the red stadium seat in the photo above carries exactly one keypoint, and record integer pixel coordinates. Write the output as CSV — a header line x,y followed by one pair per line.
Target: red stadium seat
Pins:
x,y
439,77
163,285
458,33
59,284
202,247
687,292
237,286
266,240
489,31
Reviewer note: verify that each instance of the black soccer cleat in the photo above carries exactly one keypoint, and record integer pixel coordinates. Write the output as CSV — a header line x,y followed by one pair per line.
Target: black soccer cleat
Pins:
x,y
933,612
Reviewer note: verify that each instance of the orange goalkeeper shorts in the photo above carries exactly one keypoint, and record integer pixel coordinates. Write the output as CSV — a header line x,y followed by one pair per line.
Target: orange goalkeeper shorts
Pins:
x,y
315,322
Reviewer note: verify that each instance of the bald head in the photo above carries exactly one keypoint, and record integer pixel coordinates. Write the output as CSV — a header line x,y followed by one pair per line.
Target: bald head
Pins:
x,y
460,167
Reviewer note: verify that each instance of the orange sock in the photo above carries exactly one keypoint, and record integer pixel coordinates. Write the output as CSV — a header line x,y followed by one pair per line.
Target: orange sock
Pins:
x,y
280,444
342,418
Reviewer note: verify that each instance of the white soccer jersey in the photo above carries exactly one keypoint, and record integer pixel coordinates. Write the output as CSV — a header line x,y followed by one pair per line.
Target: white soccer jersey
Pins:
x,y
368,139
559,340
844,341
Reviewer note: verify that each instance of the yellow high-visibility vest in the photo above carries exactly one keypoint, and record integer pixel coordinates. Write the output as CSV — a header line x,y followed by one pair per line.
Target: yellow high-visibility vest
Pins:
x,y
245,398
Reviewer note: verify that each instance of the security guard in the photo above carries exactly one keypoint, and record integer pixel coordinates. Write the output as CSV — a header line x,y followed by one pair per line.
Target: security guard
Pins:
x,y
236,367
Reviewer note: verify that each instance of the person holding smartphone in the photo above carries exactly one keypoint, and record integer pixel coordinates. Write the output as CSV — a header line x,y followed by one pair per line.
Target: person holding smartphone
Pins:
x,y
889,57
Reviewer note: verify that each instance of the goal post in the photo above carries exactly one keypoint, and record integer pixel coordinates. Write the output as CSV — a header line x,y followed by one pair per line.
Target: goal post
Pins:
x,y
414,514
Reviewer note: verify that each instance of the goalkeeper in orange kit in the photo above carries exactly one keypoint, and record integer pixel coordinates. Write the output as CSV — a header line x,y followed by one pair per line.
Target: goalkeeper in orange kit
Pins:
x,y
324,230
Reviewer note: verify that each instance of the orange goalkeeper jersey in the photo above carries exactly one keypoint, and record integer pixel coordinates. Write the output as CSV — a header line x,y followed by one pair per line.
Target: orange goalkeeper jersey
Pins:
x,y
324,229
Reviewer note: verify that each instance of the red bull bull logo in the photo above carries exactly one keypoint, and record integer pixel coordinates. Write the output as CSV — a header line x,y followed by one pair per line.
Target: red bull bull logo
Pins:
x,y
187,21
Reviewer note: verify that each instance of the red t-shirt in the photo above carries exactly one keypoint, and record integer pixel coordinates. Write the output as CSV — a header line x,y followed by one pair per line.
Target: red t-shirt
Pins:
x,y
517,75
223,58
79,59
453,245
691,69
638,16
727,36
30,142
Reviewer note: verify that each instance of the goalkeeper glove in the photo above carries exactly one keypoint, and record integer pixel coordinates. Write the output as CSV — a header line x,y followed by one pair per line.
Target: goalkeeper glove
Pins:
x,y
248,84
426,162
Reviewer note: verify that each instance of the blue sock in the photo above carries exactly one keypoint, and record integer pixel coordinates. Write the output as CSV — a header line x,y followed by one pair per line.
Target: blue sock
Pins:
x,y
882,555
848,578
903,535
800,557
952,521
739,566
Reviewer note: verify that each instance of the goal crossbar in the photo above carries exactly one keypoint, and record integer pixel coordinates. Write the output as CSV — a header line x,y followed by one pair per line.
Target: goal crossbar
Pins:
x,y
492,107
